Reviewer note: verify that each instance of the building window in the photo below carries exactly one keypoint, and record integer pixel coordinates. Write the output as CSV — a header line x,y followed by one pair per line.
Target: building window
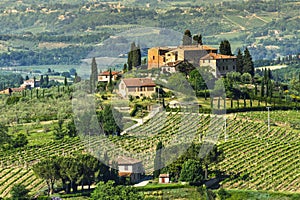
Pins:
x,y
208,61
153,57
164,59
203,61
223,68
126,167
233,67
226,67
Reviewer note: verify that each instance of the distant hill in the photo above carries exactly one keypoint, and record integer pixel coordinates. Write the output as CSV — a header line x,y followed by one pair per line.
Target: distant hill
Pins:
x,y
268,28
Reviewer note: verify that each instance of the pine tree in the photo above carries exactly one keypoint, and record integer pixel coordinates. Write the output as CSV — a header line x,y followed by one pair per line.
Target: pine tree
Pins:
x,y
239,62
248,63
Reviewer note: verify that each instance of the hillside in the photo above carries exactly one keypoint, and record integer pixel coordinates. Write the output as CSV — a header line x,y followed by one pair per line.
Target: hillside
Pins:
x,y
268,28
255,158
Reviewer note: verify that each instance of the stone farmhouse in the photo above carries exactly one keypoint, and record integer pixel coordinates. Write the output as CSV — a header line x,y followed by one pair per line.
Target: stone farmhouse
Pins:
x,y
136,87
221,64
130,168
167,58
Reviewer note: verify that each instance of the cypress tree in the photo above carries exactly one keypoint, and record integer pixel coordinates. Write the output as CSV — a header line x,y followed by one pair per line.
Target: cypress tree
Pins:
x,y
94,75
262,90
41,81
239,62
134,56
248,63
187,38
158,163
65,81
225,48
46,80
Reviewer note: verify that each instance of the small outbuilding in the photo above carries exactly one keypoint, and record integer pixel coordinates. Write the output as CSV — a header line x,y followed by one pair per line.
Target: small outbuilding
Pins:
x,y
164,178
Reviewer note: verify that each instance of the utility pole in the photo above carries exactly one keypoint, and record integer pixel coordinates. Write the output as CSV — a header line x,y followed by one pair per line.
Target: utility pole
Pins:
x,y
225,129
268,118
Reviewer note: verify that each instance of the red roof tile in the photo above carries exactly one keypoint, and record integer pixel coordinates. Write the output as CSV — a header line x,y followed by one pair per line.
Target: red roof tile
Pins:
x,y
138,82
214,56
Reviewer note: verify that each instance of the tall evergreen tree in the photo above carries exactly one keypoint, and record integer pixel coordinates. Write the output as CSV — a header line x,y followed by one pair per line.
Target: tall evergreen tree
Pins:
x,y
66,81
239,62
134,56
41,81
248,63
225,48
197,39
187,38
110,86
158,162
94,75
46,80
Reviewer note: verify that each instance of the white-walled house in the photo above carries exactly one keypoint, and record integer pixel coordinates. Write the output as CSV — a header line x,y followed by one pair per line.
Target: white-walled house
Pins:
x,y
104,76
164,178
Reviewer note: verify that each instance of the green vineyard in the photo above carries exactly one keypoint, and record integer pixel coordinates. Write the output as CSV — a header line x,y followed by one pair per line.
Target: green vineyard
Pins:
x,y
255,157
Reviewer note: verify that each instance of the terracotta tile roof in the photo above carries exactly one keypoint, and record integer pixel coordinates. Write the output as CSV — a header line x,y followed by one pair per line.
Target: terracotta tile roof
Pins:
x,y
214,56
164,176
127,160
196,47
106,73
138,82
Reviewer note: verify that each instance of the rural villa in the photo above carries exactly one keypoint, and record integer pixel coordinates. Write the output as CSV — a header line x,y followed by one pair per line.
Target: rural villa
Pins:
x,y
130,168
136,87
167,58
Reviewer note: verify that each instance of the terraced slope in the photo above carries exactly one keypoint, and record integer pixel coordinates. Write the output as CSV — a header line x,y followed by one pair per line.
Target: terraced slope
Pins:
x,y
255,157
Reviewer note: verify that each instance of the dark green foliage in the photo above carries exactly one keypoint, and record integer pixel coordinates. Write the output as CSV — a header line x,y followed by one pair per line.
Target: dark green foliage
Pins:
x,y
73,171
239,62
4,137
185,68
110,191
213,156
225,48
49,171
12,100
110,118
197,39
248,63
191,171
20,140
93,76
110,84
19,192
65,81
158,162
8,80
134,56
67,55
187,38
